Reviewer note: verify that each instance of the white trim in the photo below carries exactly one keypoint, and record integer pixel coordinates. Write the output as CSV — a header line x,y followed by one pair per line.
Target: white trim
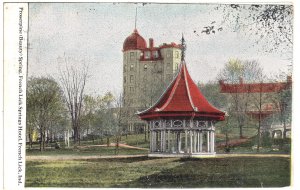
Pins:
x,y
188,89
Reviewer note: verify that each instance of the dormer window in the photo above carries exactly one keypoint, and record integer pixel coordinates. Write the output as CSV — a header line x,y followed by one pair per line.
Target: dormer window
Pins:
x,y
155,54
147,55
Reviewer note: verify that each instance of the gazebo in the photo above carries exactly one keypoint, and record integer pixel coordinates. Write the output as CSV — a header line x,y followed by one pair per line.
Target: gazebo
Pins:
x,y
181,122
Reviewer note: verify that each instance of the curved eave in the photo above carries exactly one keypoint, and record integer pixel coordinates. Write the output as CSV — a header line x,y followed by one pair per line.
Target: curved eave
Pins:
x,y
195,115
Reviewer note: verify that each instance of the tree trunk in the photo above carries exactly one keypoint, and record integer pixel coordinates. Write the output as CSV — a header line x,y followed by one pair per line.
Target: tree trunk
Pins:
x,y
107,141
75,129
44,136
145,131
258,136
117,146
241,131
41,140
284,129
259,121
30,139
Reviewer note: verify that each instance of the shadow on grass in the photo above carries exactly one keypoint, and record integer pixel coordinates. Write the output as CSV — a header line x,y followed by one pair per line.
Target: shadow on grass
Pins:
x,y
123,160
219,172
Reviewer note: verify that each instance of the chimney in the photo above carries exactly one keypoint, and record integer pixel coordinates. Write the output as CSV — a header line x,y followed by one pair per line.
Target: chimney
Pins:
x,y
221,82
241,80
151,43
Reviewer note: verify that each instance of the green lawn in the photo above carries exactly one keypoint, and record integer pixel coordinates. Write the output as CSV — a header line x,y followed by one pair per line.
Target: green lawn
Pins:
x,y
160,172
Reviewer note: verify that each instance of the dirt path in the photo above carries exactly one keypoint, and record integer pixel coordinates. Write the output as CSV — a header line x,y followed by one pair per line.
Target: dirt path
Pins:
x,y
78,157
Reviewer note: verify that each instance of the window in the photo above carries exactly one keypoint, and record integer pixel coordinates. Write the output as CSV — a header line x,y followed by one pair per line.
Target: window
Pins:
x,y
176,54
147,54
131,78
124,79
168,53
125,66
145,67
168,67
131,55
131,67
155,54
176,66
131,89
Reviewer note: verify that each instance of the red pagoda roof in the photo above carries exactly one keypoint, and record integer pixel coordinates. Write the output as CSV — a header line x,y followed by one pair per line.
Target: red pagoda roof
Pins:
x,y
182,99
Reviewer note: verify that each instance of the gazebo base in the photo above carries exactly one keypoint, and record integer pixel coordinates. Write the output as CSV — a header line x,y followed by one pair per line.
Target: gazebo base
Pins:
x,y
184,155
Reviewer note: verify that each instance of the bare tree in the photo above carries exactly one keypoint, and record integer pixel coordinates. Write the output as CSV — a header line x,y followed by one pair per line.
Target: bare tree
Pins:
x,y
237,72
73,79
119,121
260,21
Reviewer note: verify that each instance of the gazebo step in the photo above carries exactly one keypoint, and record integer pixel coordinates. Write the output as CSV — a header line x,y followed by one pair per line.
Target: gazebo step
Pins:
x,y
194,155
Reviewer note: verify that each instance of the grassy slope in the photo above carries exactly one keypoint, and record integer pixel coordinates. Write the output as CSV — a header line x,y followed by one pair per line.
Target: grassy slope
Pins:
x,y
167,172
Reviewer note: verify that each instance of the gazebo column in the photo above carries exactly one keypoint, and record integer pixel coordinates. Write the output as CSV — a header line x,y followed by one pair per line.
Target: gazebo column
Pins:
x,y
208,140
191,142
185,141
151,141
201,141
175,142
164,140
161,141
195,141
198,141
179,142
155,141
169,142
212,141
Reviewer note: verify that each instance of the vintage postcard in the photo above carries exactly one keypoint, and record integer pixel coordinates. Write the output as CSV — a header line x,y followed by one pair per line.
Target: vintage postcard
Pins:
x,y
148,95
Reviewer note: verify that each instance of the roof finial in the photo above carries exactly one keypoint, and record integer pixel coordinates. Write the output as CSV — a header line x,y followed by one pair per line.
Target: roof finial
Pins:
x,y
135,18
183,48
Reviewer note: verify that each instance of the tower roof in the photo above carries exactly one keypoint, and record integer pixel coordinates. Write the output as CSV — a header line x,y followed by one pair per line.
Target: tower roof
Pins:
x,y
134,41
182,99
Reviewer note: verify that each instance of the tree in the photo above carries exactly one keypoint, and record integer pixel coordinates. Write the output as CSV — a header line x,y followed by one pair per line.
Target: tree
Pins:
x,y
273,22
45,107
283,101
211,91
90,106
109,122
119,120
236,72
73,80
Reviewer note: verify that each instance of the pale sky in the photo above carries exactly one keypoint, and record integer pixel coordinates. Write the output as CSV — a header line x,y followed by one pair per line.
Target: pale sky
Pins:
x,y
96,32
